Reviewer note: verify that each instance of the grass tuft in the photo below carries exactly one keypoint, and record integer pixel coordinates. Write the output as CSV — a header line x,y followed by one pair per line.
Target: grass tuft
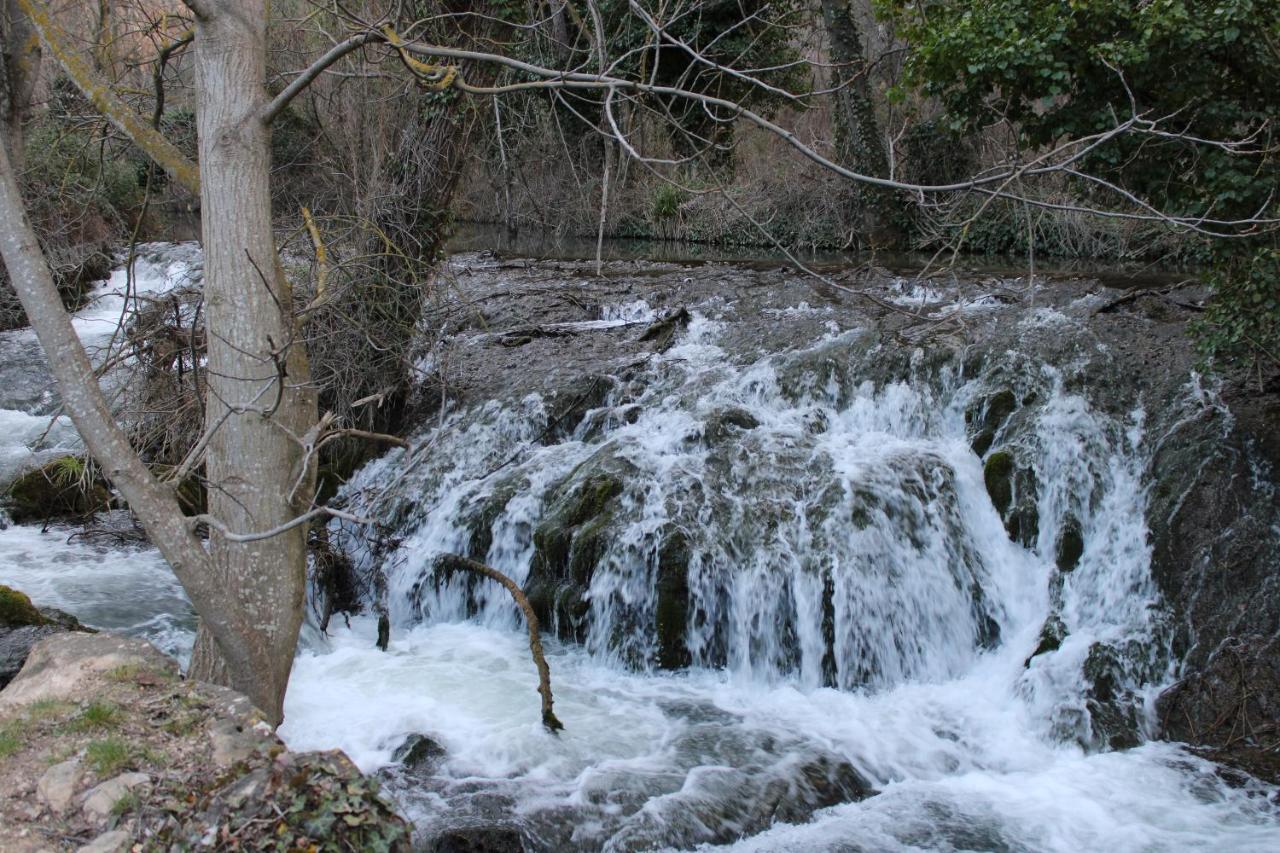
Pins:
x,y
11,739
97,715
108,756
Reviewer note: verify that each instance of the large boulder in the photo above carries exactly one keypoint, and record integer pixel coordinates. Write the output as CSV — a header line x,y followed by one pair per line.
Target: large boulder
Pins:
x,y
1230,708
22,625
58,666
1213,515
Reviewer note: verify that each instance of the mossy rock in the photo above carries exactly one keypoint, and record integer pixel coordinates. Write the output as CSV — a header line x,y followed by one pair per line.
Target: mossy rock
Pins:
x,y
1051,637
1070,545
997,473
568,544
568,519
1013,491
1113,709
480,522
724,424
988,417
672,611
57,489
16,609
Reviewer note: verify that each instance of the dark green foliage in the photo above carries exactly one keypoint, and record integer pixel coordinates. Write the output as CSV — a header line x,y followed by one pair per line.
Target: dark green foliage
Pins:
x,y
1241,325
1054,69
1076,68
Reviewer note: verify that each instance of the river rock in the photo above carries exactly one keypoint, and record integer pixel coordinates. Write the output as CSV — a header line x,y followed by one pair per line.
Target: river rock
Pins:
x,y
60,664
115,841
22,625
56,490
57,786
478,839
419,752
101,800
233,741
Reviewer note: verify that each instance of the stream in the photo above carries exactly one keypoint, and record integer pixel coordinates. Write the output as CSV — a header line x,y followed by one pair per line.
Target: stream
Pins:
x,y
785,612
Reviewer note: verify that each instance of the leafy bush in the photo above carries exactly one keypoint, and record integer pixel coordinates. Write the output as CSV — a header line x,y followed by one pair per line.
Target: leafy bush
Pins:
x,y
1241,325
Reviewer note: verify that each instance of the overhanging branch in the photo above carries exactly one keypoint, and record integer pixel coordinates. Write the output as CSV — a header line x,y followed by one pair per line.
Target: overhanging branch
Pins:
x,y
179,168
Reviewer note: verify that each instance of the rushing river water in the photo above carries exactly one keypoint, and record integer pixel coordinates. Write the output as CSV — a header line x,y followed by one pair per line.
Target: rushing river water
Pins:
x,y
858,619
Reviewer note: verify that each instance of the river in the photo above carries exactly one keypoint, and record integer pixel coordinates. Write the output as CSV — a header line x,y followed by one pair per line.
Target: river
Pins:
x,y
861,628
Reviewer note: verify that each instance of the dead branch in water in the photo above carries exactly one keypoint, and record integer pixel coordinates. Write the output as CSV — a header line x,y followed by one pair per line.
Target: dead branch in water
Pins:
x,y
452,562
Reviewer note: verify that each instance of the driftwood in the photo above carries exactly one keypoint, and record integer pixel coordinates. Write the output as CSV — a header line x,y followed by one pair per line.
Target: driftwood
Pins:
x,y
452,562
1163,293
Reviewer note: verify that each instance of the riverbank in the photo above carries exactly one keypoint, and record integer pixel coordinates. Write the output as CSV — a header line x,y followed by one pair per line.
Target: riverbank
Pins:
x,y
103,747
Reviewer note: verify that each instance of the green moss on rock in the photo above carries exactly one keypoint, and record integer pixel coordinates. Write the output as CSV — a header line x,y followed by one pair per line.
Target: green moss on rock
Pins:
x,y
672,612
55,490
1070,545
988,417
16,609
997,473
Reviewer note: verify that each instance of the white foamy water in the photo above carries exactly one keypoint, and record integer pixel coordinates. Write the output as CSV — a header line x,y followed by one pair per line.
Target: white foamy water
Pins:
x,y
856,611
31,430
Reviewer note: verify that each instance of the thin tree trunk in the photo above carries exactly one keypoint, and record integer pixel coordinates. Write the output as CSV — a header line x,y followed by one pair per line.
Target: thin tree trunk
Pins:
x,y
21,58
859,143
259,387
83,400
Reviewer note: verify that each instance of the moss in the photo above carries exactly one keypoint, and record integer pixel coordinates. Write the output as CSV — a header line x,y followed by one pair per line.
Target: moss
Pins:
x,y
672,612
1070,545
555,552
480,523
16,610
997,473
587,548
988,417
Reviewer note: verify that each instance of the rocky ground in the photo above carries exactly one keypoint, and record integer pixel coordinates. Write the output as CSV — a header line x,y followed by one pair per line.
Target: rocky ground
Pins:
x,y
103,747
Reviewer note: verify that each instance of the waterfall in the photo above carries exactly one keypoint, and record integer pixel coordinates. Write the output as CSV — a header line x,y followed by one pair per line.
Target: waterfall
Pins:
x,y
810,586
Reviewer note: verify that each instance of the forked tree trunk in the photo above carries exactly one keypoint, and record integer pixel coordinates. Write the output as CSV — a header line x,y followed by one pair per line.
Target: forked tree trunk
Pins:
x,y
248,589
260,399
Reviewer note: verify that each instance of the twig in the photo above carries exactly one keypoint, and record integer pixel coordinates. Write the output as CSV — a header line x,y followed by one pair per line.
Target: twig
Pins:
x,y
452,562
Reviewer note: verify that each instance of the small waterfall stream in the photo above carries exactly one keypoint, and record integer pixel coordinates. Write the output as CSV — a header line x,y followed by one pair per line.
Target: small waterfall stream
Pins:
x,y
793,613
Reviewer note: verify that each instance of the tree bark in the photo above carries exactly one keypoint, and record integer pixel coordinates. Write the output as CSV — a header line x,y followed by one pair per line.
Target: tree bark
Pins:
x,y
20,54
83,400
259,385
859,143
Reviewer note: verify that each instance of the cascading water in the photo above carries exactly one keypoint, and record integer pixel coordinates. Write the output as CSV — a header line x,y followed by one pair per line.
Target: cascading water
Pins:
x,y
798,609
786,524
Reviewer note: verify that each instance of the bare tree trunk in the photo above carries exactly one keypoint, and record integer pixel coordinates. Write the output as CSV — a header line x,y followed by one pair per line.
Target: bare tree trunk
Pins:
x,y
260,400
859,143
103,38
83,400
20,54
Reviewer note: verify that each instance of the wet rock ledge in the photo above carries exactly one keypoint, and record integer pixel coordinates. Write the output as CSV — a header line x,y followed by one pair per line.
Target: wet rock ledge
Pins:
x,y
103,747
